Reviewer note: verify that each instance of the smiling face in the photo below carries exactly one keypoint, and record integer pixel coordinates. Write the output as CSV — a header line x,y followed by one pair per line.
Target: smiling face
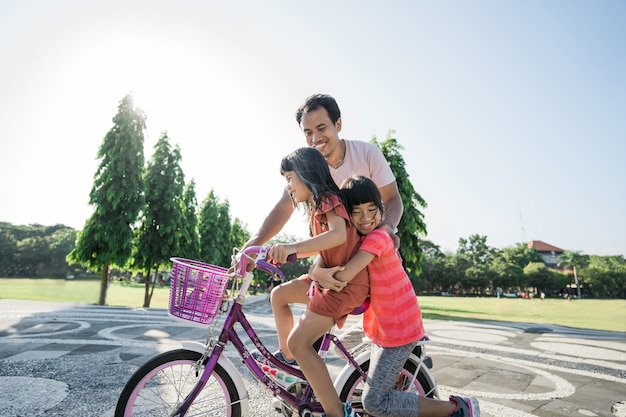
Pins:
x,y
296,188
365,217
321,133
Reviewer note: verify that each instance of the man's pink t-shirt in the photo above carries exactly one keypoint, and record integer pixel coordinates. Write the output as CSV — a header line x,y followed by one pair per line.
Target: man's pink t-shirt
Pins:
x,y
363,158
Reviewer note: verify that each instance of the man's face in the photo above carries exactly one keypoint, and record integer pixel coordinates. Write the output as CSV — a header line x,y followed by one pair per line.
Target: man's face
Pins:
x,y
320,132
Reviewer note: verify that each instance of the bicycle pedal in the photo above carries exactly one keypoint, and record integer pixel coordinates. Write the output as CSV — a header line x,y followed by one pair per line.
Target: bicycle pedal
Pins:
x,y
296,389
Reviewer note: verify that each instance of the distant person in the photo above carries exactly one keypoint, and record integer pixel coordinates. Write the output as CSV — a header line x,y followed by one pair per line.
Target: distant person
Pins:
x,y
272,283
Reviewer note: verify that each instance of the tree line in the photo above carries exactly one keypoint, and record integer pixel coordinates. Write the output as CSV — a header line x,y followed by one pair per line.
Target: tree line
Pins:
x,y
35,250
144,213
476,268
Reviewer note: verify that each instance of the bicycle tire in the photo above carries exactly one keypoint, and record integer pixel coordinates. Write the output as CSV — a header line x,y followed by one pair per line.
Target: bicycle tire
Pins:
x,y
162,383
353,388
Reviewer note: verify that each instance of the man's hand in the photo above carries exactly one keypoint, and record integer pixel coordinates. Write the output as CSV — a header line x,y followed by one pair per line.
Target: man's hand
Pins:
x,y
393,233
325,277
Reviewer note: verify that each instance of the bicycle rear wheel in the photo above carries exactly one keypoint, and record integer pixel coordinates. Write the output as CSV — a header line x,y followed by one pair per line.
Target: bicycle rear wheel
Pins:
x,y
353,388
161,384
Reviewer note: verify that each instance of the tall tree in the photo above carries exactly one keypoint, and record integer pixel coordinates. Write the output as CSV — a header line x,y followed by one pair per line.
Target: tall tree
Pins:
x,y
214,230
519,255
479,257
412,226
476,250
158,237
506,274
239,233
223,233
574,259
542,278
117,195
433,267
508,265
605,276
189,240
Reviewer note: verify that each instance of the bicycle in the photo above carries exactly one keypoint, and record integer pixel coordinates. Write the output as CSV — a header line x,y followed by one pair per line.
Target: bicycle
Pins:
x,y
199,379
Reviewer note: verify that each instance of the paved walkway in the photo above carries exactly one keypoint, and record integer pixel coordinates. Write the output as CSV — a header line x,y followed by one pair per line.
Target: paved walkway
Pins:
x,y
70,360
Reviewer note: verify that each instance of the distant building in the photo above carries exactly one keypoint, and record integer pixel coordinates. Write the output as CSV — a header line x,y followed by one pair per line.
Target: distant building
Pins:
x,y
550,254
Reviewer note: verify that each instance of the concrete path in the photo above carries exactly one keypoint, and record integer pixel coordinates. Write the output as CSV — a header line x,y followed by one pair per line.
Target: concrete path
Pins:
x,y
70,360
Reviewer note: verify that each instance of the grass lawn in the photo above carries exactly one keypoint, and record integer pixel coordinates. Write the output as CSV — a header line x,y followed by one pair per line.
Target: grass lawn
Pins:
x,y
585,314
80,291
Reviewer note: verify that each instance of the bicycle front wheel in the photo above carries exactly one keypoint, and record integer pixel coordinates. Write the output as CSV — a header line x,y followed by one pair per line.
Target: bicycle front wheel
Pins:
x,y
353,388
161,385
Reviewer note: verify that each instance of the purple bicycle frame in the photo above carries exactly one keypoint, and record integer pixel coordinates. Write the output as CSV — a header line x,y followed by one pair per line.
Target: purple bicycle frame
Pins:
x,y
229,334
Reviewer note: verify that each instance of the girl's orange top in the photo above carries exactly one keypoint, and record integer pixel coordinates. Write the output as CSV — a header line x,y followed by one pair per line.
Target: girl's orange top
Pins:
x,y
329,303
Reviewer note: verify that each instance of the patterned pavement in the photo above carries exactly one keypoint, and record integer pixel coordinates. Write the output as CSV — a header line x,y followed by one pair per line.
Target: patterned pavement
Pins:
x,y
73,360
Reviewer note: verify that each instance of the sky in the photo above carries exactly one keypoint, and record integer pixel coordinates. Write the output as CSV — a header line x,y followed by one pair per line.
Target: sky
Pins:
x,y
512,114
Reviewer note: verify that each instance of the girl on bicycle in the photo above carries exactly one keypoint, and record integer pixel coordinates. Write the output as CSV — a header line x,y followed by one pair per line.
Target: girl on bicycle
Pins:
x,y
333,236
393,320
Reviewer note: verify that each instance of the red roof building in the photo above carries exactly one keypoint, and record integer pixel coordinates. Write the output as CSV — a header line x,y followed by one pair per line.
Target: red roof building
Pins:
x,y
549,253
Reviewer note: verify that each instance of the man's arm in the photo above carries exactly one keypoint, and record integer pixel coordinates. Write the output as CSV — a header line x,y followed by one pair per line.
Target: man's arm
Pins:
x,y
393,210
333,237
274,222
271,226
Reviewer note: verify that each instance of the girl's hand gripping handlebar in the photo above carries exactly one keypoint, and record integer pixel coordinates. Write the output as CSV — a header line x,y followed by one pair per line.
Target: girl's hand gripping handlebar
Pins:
x,y
258,255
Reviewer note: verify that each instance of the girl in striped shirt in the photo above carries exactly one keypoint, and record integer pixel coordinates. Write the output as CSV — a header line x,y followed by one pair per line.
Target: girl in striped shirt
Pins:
x,y
393,320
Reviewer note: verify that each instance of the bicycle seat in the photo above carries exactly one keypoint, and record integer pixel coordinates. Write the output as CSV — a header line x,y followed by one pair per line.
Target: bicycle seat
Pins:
x,y
361,309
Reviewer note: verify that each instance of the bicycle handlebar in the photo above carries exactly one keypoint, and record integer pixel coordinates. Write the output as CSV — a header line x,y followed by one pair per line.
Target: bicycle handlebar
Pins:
x,y
259,253
260,262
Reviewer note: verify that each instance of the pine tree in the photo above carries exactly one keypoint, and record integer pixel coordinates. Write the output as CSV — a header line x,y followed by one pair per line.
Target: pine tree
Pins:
x,y
189,240
214,230
158,237
117,196
239,234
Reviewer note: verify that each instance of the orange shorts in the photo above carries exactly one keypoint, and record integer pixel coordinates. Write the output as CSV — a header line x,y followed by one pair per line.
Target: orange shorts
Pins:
x,y
339,305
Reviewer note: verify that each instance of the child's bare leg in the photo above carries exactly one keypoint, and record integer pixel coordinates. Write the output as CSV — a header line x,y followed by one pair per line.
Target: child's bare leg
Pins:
x,y
286,293
308,329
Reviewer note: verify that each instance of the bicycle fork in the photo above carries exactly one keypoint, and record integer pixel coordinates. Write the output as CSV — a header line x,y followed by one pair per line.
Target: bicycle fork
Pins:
x,y
215,357
204,378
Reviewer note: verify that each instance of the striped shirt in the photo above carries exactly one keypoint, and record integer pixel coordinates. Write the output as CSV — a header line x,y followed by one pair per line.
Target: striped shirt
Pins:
x,y
394,317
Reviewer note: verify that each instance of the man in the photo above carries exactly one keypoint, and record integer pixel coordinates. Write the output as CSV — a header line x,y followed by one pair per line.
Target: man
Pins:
x,y
320,120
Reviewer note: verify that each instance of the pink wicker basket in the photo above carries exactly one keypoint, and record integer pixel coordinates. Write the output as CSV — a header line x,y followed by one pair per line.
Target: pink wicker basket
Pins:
x,y
196,290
